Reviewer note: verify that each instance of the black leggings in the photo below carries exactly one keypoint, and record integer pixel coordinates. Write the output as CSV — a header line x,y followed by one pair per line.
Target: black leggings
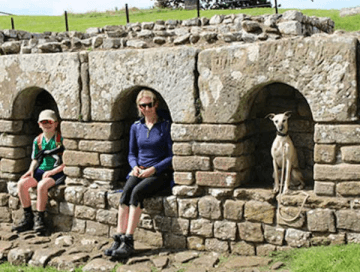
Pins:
x,y
137,189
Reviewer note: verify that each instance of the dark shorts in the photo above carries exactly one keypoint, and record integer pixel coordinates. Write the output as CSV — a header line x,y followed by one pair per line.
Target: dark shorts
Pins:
x,y
59,177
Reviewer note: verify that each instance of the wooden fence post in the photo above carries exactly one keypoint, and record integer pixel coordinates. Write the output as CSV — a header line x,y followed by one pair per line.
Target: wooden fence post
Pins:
x,y
127,13
12,23
66,22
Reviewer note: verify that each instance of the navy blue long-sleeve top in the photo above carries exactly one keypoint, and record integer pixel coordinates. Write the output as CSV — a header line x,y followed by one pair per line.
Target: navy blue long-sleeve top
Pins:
x,y
150,147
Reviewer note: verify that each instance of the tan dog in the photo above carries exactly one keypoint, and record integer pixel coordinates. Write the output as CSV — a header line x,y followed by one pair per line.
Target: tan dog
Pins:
x,y
284,152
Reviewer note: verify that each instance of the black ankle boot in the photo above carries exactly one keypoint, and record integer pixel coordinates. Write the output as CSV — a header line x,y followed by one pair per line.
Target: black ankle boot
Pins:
x,y
115,245
26,223
39,225
125,249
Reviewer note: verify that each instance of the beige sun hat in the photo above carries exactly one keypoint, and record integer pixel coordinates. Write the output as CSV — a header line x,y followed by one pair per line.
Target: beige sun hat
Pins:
x,y
47,115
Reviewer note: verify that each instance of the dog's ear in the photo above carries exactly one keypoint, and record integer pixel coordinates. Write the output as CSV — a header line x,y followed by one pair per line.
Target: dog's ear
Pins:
x,y
287,114
270,116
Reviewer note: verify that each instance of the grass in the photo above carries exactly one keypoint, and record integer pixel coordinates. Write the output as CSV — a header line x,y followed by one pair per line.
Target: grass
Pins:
x,y
341,258
81,22
7,267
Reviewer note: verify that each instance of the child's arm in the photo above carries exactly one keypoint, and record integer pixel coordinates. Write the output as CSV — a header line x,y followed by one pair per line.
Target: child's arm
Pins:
x,y
54,171
30,172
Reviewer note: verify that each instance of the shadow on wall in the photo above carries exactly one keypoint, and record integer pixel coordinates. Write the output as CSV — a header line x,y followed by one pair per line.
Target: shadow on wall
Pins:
x,y
278,98
125,112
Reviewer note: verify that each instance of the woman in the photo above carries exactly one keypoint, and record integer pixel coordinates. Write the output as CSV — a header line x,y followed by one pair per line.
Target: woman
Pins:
x,y
150,155
45,171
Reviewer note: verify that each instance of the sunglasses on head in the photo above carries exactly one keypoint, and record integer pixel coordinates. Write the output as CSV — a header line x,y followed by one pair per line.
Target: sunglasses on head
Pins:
x,y
144,105
44,122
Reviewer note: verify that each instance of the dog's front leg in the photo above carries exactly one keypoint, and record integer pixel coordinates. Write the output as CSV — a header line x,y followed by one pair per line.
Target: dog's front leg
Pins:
x,y
287,176
276,177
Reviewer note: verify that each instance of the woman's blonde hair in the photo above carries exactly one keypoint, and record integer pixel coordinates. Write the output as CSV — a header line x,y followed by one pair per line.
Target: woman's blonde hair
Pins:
x,y
145,93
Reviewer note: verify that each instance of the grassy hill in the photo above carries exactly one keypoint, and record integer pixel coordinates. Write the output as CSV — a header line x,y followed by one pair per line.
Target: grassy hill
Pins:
x,y
81,22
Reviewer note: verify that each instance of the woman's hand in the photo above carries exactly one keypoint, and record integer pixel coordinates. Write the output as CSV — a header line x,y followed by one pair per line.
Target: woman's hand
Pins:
x,y
136,171
148,172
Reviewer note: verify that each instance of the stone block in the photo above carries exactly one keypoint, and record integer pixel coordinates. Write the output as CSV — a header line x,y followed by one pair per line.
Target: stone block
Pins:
x,y
113,199
242,248
350,154
78,226
351,188
5,215
221,179
209,207
225,230
274,235
182,149
71,144
19,256
12,153
170,206
255,194
78,158
15,166
174,241
324,153
14,203
153,205
76,182
112,160
297,238
223,149
72,171
145,222
188,208
91,131
257,211
67,208
321,220
348,220
62,222
162,223
4,199
216,245
251,232
207,133
109,217
85,212
96,229
265,250
233,209
221,193
101,174
340,134
75,194
201,227
337,172
95,198
15,140
10,126
180,226
184,178
191,163
233,163
101,146
183,190
290,28
324,188
149,237
288,216
195,243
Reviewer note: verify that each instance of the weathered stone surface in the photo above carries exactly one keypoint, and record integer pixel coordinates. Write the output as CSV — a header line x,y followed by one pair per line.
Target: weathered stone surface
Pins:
x,y
225,230
101,146
101,174
242,248
233,209
195,243
180,226
257,211
184,178
325,153
19,256
74,194
81,158
221,193
209,207
96,131
265,250
274,235
291,216
85,212
188,208
202,227
216,245
350,154
341,134
324,188
221,179
174,241
171,206
225,149
233,164
337,172
95,198
42,256
290,28
254,194
59,75
181,132
14,166
347,219
191,163
321,220
171,69
149,237
351,188
96,229
349,11
251,232
153,205
67,208
99,265
297,238
217,90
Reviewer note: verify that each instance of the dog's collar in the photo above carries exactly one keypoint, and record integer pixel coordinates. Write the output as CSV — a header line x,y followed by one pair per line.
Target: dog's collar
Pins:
x,y
282,134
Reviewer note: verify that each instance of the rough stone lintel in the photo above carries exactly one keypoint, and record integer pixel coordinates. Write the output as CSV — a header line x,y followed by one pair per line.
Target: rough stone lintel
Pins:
x,y
340,134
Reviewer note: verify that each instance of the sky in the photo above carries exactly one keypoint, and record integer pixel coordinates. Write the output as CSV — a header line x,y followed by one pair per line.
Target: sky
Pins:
x,y
57,7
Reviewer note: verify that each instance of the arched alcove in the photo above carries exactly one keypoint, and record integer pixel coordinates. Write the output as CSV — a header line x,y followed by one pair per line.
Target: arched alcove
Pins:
x,y
277,98
125,112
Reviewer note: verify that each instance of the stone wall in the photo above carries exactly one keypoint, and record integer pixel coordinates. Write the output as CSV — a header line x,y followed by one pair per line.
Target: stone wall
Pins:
x,y
217,97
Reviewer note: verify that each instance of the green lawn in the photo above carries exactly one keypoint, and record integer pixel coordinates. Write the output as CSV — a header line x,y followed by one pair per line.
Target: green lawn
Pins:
x,y
81,22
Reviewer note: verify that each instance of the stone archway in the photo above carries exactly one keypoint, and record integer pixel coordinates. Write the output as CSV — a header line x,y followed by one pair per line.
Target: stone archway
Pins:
x,y
277,98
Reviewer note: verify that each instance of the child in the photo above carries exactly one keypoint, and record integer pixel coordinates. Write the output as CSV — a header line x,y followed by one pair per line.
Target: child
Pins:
x,y
45,171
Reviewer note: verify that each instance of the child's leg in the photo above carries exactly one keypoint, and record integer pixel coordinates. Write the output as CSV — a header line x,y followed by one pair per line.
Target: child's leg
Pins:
x,y
23,190
42,193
